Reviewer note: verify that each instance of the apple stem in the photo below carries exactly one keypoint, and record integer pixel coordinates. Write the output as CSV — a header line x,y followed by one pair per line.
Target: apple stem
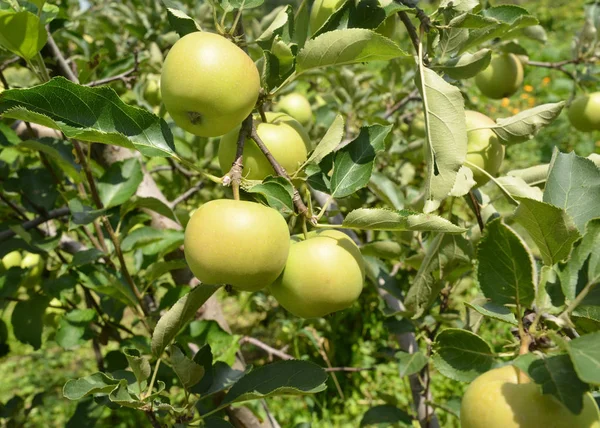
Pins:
x,y
235,173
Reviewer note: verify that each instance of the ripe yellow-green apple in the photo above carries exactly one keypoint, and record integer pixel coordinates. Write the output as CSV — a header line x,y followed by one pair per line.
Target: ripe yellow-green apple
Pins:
x,y
483,147
35,264
323,274
297,106
321,11
152,89
496,399
584,112
208,84
417,126
12,259
241,243
285,138
502,77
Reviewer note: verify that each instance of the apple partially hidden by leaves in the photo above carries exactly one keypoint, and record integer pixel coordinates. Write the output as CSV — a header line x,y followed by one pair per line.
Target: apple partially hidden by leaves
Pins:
x,y
241,243
35,264
496,399
12,259
502,77
324,273
321,11
483,146
285,138
208,84
584,112
297,106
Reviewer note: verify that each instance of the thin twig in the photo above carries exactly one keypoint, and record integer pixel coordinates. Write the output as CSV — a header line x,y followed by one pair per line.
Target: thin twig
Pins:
x,y
30,224
62,63
187,194
13,206
410,28
270,350
182,170
412,96
298,203
476,210
235,173
126,76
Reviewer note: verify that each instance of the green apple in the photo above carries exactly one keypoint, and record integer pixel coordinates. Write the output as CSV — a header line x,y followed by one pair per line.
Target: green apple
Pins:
x,y
483,146
388,27
209,85
152,89
584,112
297,106
12,259
497,399
321,11
323,274
35,264
240,243
285,138
417,126
502,77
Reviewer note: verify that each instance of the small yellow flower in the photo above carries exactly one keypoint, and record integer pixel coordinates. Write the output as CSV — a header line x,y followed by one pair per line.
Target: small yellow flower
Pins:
x,y
531,102
524,96
475,99
546,80
528,88
515,111
505,102
493,109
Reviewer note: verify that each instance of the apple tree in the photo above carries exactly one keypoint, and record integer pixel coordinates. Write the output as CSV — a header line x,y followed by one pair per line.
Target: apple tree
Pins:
x,y
365,167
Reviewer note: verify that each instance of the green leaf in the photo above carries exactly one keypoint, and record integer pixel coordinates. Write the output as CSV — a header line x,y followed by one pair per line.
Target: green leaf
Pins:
x,y
585,355
28,320
445,254
551,228
461,355
353,164
291,377
158,269
97,383
180,314
505,267
525,125
282,22
383,219
223,344
152,241
230,5
72,328
333,137
446,135
409,364
387,190
148,203
573,275
60,152
497,312
121,396
348,46
385,414
518,187
89,114
188,372
574,185
557,376
179,20
467,65
277,192
81,214
139,364
120,182
85,257
22,33
221,378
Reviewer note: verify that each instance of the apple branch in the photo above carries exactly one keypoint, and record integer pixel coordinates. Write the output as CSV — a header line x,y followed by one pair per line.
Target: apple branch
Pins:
x,y
30,224
234,176
298,203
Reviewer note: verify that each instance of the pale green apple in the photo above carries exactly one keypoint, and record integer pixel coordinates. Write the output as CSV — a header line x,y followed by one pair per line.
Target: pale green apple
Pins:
x,y
285,138
297,106
502,77
483,146
321,11
584,112
241,243
499,399
35,264
208,84
12,259
324,273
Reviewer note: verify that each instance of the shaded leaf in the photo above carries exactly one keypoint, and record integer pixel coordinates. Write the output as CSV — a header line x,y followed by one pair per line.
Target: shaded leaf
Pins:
x,y
525,125
383,219
28,320
462,355
96,383
409,364
497,312
385,414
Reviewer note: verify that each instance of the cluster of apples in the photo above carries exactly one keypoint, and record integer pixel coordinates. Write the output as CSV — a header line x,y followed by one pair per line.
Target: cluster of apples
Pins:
x,y
30,261
209,86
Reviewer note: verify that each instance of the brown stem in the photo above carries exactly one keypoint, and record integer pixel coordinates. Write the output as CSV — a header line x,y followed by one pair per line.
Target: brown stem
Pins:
x,y
413,96
476,210
30,224
270,350
13,206
235,173
152,418
125,77
410,28
300,207
187,194
60,59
